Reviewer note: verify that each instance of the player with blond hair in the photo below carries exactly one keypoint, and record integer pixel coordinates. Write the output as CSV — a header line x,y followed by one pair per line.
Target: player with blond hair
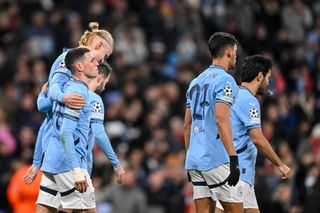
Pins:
x,y
100,43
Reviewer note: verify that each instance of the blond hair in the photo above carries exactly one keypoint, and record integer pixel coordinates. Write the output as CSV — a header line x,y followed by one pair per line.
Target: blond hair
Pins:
x,y
94,31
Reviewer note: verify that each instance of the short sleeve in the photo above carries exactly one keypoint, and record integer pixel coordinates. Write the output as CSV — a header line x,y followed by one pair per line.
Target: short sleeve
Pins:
x,y
226,91
97,115
249,114
188,101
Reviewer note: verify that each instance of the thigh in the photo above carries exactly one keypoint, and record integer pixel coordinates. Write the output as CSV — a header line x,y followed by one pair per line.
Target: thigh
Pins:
x,y
49,195
219,207
205,205
216,179
70,197
199,185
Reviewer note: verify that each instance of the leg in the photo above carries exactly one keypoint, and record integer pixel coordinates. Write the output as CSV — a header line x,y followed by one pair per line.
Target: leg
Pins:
x,y
205,205
48,197
219,208
230,197
45,209
86,211
73,199
65,211
251,210
232,207
201,193
219,211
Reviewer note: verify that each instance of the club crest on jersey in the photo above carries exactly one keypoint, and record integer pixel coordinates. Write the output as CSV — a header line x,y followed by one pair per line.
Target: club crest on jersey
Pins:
x,y
97,107
227,91
240,191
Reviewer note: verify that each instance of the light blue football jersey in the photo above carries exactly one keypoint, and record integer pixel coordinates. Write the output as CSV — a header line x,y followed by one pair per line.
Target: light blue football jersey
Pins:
x,y
63,156
62,75
245,115
214,85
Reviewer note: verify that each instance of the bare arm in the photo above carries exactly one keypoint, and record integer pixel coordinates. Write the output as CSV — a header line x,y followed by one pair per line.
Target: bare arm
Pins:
x,y
187,128
224,127
265,148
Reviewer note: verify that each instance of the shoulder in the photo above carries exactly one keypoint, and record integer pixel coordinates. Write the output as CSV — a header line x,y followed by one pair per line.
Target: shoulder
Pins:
x,y
246,100
77,87
59,65
59,62
226,77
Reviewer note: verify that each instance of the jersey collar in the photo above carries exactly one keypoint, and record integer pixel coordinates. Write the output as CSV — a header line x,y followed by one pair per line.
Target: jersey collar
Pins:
x,y
218,67
78,81
243,87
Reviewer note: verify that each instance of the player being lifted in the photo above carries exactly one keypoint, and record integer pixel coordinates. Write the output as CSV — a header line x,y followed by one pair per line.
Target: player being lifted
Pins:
x,y
97,133
246,128
211,159
100,43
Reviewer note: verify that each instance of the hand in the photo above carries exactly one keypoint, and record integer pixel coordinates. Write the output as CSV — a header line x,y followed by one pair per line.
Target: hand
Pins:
x,y
120,173
234,171
285,171
30,175
74,101
80,180
44,87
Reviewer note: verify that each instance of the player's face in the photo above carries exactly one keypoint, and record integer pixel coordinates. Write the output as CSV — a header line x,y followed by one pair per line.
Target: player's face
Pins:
x,y
103,52
233,57
90,65
102,85
264,85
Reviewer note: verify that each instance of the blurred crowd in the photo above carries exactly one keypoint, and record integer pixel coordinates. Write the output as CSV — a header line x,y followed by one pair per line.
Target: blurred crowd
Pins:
x,y
160,46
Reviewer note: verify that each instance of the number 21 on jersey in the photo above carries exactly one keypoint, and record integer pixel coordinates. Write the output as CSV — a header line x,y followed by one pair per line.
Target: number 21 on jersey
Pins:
x,y
198,108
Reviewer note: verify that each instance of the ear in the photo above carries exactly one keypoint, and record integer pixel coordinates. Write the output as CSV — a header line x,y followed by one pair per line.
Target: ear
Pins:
x,y
99,78
98,45
260,76
228,52
78,66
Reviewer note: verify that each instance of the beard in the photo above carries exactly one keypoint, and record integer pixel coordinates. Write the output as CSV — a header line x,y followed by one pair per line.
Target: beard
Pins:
x,y
263,89
99,89
232,64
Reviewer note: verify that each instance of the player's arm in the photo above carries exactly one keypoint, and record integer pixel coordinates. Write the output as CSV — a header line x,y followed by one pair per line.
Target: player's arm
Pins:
x,y
187,127
32,171
265,148
102,139
226,92
103,142
44,103
73,101
68,126
222,112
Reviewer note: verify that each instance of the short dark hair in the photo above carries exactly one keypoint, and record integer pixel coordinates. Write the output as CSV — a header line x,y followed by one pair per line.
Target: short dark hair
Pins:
x,y
218,43
252,65
73,56
104,69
